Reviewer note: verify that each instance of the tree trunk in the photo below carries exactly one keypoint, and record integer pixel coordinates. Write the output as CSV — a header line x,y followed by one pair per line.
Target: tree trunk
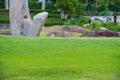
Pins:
x,y
20,20
62,14
7,4
43,4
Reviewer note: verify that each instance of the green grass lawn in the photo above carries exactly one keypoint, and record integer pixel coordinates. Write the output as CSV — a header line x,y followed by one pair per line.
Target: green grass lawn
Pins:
x,y
28,58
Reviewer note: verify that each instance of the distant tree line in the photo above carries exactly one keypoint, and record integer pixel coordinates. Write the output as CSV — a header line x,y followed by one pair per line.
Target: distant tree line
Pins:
x,y
69,8
85,7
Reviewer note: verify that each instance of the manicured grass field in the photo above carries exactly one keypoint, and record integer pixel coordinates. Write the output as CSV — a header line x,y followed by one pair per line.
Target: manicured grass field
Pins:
x,y
27,58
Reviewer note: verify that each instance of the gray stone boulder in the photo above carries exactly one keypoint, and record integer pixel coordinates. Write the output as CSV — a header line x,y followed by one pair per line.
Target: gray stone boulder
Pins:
x,y
104,32
77,29
39,21
98,32
21,23
67,31
60,34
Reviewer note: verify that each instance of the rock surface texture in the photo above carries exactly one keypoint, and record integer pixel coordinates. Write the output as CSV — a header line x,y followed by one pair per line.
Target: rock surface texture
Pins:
x,y
21,23
68,31
60,34
103,32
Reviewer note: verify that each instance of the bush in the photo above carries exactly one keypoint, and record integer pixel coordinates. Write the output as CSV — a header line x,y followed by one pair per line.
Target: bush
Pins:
x,y
2,3
38,10
4,21
111,26
97,24
54,15
50,6
3,10
80,21
34,5
54,21
68,22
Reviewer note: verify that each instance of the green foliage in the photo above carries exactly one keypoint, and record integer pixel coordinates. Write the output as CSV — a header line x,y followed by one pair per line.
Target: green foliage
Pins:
x,y
4,30
32,11
53,17
3,10
54,1
35,5
28,58
2,4
81,9
80,21
43,34
97,24
114,5
103,7
68,22
67,6
111,26
4,19
108,25
54,21
106,13
50,6
87,7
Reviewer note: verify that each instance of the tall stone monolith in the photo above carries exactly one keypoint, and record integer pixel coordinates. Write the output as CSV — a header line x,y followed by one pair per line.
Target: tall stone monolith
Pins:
x,y
21,23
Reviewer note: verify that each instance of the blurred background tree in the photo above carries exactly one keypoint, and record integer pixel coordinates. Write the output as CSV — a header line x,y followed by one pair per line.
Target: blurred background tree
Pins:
x,y
66,8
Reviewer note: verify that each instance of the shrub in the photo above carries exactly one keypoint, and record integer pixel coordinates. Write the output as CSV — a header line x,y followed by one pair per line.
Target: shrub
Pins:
x,y
50,6
111,26
97,24
4,19
2,3
68,22
80,21
34,5
3,10
54,21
